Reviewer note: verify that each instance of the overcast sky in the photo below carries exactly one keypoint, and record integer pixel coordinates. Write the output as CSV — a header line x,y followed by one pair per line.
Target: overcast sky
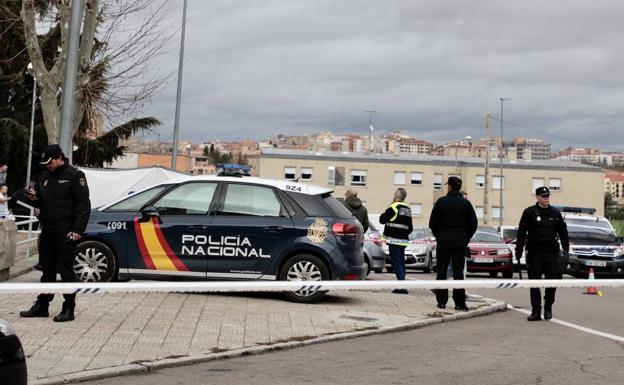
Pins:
x,y
432,69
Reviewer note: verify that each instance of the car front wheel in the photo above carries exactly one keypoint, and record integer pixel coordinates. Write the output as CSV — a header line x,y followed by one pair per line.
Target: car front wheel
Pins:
x,y
308,268
94,262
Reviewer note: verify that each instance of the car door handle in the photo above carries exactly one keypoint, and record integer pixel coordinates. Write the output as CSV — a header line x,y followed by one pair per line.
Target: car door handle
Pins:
x,y
273,229
197,227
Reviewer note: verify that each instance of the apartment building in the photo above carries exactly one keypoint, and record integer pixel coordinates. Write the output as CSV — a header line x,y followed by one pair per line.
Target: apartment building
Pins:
x,y
423,176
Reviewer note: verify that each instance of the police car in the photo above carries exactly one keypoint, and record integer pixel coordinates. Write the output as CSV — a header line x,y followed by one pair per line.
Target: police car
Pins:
x,y
224,228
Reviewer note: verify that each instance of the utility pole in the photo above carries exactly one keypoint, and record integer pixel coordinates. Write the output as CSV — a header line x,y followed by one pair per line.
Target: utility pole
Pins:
x,y
501,154
370,129
487,169
68,102
176,126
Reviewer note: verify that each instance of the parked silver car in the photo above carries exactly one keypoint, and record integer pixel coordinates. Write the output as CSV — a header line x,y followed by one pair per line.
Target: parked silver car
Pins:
x,y
374,255
420,253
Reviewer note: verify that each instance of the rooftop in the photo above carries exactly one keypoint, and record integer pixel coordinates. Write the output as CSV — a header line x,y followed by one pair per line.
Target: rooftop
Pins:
x,y
427,159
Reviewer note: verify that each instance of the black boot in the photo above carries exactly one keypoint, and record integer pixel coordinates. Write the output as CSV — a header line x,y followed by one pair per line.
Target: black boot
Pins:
x,y
547,312
67,314
534,317
39,309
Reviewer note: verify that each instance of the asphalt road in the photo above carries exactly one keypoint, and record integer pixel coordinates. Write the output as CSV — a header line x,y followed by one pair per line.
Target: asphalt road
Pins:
x,y
502,348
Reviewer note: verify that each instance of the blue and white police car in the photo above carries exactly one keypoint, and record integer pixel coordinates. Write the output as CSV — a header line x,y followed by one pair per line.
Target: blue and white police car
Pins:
x,y
224,228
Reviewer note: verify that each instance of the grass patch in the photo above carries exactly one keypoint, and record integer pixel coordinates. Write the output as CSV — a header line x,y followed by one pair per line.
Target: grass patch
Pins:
x,y
618,224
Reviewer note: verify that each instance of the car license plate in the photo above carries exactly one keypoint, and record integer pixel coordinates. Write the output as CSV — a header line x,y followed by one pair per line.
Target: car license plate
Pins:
x,y
596,263
483,260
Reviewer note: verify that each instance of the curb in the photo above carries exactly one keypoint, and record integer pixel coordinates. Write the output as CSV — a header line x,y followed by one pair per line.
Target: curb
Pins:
x,y
142,367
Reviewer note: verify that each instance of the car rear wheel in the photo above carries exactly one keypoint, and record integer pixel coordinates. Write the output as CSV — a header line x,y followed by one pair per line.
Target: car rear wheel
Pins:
x,y
305,267
368,265
94,262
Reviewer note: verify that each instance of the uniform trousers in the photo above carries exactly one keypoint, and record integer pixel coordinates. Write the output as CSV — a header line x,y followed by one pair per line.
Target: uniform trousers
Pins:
x,y
56,254
457,257
542,264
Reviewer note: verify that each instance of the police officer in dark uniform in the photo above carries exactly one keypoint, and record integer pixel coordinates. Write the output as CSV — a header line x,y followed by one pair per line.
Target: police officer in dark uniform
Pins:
x,y
453,222
397,221
63,197
541,228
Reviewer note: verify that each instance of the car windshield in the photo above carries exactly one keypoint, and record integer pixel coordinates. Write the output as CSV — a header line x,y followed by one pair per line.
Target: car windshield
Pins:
x,y
588,236
418,233
483,236
135,202
588,222
510,234
337,208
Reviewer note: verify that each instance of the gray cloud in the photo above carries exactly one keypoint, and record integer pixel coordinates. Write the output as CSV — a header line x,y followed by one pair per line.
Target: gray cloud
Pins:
x,y
432,69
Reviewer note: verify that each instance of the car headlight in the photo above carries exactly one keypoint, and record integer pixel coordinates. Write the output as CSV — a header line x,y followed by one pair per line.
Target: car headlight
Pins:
x,y
6,329
503,251
618,253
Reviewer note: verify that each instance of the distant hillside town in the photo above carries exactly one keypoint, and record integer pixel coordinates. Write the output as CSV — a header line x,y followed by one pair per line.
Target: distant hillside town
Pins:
x,y
202,158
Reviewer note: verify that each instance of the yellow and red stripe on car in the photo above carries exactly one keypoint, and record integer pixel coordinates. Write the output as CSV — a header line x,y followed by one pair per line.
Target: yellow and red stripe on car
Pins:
x,y
156,252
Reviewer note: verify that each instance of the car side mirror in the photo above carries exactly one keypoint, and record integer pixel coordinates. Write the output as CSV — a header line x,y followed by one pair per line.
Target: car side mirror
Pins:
x,y
148,212
620,239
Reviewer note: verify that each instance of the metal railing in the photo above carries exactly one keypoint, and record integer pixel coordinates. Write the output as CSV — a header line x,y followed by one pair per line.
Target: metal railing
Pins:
x,y
30,219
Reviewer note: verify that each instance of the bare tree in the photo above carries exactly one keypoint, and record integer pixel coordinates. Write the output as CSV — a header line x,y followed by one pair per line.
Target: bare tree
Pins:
x,y
119,41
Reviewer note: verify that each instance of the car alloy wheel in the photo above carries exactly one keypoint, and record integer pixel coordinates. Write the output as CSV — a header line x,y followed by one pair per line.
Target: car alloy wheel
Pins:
x,y
94,262
305,268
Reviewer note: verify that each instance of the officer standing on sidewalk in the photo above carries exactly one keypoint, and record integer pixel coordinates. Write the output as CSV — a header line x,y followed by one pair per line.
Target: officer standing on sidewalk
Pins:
x,y
63,197
397,221
453,222
541,228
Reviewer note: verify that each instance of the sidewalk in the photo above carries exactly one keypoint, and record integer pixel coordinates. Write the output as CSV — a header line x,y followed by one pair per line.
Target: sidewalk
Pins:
x,y
121,333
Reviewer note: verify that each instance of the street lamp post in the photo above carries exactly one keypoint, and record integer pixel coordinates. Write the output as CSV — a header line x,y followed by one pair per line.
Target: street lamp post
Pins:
x,y
31,72
176,125
500,206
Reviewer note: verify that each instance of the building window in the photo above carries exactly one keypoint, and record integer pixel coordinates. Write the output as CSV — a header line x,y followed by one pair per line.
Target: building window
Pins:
x,y
437,182
306,173
554,184
496,182
496,212
399,177
416,209
537,183
479,212
358,178
290,173
480,181
416,178
335,176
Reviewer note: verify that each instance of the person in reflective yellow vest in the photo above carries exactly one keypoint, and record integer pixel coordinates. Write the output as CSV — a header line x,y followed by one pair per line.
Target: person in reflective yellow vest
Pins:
x,y
397,221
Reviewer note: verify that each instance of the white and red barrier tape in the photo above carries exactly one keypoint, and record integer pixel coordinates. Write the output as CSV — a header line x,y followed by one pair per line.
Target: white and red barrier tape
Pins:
x,y
249,286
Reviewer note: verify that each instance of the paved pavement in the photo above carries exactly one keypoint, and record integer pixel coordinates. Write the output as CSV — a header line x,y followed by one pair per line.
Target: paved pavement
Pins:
x,y
115,334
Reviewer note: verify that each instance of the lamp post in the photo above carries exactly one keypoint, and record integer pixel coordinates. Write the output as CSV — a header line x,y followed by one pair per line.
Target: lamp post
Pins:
x,y
176,125
500,206
467,138
31,72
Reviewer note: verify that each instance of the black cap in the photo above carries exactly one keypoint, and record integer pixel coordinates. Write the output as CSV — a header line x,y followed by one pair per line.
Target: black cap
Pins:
x,y
454,182
53,151
542,190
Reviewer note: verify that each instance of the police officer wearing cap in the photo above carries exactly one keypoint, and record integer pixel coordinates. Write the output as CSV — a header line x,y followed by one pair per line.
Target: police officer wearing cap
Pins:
x,y
63,198
397,221
541,229
453,222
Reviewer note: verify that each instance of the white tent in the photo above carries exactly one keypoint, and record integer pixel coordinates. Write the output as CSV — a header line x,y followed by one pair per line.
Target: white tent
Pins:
x,y
106,185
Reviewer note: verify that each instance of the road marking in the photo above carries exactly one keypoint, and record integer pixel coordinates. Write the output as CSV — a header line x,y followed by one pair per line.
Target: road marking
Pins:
x,y
574,326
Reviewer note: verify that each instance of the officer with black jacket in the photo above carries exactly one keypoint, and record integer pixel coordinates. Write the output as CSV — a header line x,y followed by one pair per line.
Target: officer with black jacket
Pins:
x,y
453,222
541,228
397,221
63,198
